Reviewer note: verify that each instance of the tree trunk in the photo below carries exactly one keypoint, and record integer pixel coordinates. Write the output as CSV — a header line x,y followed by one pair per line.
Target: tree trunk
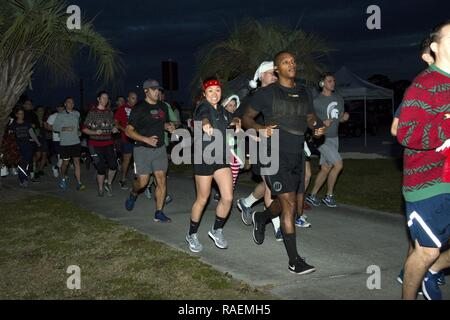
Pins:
x,y
15,76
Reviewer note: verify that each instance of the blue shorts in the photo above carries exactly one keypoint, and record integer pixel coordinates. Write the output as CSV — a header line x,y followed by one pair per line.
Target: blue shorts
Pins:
x,y
429,221
127,148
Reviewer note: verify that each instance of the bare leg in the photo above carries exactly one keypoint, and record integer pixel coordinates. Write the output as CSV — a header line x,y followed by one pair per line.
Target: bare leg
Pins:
x,y
288,205
333,175
126,159
111,175
100,182
321,177
203,186
161,189
259,191
442,262
224,181
416,266
64,166
76,164
139,184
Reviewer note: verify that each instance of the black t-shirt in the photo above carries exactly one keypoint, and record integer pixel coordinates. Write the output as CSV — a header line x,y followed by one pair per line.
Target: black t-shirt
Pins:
x,y
244,104
219,119
287,108
148,120
21,132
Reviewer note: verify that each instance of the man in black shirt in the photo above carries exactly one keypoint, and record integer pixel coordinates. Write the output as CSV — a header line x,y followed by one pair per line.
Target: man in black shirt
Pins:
x,y
146,126
288,108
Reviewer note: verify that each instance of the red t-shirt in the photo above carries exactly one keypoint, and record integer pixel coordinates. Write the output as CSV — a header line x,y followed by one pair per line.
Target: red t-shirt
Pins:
x,y
122,114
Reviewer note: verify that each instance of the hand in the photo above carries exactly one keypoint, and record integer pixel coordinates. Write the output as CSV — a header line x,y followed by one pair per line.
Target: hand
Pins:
x,y
152,141
345,117
444,146
208,129
237,122
319,132
327,123
169,127
268,131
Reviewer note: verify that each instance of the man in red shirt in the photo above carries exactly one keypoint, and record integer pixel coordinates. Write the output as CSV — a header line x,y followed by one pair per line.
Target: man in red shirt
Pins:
x,y
424,131
121,120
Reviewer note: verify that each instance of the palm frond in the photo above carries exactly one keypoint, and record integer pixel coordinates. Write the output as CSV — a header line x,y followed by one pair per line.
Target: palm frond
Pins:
x,y
252,42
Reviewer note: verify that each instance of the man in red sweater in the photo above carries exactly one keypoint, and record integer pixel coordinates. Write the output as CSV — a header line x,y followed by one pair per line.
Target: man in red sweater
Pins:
x,y
424,126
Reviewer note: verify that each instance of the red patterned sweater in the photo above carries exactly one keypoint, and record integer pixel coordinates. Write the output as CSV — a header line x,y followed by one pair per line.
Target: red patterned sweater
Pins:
x,y
422,128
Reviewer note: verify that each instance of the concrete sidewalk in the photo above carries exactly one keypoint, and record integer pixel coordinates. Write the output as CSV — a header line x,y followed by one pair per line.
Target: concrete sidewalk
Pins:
x,y
341,244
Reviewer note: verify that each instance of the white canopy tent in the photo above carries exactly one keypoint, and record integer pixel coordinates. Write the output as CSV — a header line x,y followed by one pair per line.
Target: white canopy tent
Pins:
x,y
351,87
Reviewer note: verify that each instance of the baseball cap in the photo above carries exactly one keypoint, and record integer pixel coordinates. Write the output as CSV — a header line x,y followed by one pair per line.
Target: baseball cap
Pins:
x,y
153,84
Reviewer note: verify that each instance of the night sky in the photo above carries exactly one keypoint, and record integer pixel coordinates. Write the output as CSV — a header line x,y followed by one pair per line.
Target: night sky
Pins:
x,y
147,32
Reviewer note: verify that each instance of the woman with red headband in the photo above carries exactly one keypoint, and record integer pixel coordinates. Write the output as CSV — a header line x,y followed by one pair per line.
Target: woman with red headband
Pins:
x,y
211,117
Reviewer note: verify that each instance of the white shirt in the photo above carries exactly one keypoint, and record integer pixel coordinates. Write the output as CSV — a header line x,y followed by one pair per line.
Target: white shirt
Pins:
x,y
51,121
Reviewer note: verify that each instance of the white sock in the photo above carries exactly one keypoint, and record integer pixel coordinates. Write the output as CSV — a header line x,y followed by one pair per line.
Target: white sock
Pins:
x,y
276,223
250,200
432,272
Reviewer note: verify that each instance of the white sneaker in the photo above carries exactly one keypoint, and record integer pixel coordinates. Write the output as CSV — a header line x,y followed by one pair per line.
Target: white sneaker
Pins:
x,y
4,171
194,243
55,171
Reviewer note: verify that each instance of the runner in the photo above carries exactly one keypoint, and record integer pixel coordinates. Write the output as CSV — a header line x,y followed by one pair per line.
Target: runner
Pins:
x,y
99,125
121,119
146,126
288,107
210,115
67,124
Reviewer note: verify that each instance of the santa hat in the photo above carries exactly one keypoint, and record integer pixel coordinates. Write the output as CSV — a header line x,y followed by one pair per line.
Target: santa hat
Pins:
x,y
227,100
263,67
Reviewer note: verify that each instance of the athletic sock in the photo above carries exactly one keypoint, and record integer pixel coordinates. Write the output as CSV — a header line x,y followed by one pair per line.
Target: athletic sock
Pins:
x,y
276,223
193,227
291,246
250,200
219,223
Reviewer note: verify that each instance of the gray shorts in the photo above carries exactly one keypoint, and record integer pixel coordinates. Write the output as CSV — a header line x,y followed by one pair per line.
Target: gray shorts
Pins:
x,y
149,160
329,151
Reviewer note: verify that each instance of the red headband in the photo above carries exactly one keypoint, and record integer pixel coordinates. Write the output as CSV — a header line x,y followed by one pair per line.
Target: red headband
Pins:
x,y
211,83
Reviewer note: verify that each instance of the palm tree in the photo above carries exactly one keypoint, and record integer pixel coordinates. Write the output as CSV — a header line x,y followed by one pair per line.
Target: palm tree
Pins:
x,y
251,42
34,32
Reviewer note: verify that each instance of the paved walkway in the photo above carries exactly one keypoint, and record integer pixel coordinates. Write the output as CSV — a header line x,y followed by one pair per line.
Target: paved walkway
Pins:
x,y
341,244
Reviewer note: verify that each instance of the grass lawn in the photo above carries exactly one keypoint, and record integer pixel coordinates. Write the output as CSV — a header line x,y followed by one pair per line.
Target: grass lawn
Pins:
x,y
41,236
374,184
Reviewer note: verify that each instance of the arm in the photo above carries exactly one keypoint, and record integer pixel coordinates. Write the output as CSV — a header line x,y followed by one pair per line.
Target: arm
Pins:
x,y
315,124
344,118
130,131
394,127
248,120
33,136
119,126
312,121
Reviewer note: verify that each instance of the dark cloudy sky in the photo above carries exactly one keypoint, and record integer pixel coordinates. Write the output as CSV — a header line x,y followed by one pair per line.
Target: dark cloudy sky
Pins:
x,y
147,32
